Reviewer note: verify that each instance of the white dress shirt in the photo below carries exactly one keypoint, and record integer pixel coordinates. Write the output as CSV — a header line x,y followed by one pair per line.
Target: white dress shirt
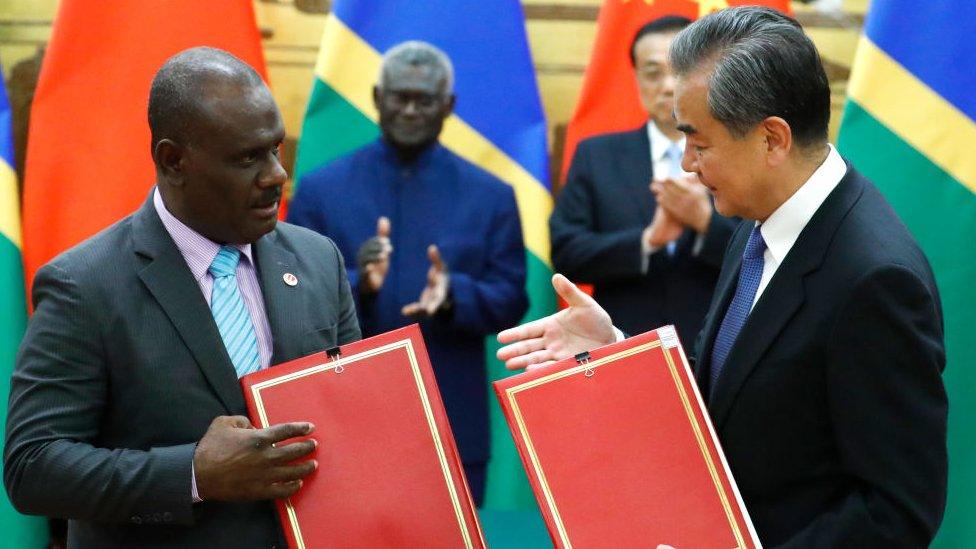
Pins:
x,y
785,224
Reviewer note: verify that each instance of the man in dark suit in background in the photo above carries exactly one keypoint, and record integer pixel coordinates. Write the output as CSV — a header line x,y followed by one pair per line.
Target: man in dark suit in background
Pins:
x,y
653,258
125,409
822,351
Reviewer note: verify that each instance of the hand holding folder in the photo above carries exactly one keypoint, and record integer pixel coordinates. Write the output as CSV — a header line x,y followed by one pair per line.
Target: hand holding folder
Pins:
x,y
236,462
388,470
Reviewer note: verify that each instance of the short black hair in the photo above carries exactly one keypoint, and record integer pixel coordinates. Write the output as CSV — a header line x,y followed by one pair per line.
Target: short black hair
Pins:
x,y
762,64
178,88
661,25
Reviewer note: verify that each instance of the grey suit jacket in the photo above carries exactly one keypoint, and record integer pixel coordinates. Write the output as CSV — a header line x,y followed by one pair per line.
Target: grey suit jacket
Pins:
x,y
122,370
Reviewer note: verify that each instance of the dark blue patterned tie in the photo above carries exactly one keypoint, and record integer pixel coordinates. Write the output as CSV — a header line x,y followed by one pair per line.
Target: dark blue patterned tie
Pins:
x,y
745,292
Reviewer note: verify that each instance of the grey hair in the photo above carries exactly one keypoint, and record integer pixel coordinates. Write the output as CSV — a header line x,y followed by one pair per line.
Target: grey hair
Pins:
x,y
763,65
416,53
177,89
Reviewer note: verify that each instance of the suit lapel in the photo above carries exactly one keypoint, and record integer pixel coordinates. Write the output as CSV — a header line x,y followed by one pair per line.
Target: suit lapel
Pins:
x,y
169,280
281,301
782,297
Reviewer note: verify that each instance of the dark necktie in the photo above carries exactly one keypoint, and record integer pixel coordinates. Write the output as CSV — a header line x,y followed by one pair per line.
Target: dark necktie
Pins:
x,y
745,293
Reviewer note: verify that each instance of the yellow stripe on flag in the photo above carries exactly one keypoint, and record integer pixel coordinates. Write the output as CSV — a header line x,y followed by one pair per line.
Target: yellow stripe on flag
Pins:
x,y
350,66
9,204
914,112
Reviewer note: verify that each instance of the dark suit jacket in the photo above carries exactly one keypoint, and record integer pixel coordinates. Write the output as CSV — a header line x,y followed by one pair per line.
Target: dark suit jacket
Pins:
x,y
122,370
831,408
596,231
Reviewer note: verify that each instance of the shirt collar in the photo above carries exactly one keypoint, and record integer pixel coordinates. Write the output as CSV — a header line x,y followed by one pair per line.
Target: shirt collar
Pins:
x,y
198,250
660,142
784,226
424,158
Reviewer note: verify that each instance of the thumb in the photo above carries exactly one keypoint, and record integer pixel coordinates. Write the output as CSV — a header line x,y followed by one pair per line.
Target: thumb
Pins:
x,y
573,296
435,257
383,227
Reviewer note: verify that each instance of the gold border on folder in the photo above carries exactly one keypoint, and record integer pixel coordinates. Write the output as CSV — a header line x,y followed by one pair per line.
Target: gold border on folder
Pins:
x,y
407,345
511,392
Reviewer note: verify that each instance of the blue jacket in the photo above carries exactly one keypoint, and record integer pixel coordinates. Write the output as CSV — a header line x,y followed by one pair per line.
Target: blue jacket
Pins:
x,y
473,219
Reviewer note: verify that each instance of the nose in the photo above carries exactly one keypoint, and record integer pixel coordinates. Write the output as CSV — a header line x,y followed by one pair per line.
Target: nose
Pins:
x,y
667,83
410,108
689,160
275,175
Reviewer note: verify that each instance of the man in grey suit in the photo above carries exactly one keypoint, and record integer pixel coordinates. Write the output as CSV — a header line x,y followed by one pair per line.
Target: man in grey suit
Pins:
x,y
126,416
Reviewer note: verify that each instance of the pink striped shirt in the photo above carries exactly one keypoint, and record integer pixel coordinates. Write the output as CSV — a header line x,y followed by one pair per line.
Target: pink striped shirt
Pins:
x,y
199,252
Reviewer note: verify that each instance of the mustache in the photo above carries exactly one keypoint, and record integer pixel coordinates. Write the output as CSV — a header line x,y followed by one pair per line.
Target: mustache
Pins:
x,y
269,196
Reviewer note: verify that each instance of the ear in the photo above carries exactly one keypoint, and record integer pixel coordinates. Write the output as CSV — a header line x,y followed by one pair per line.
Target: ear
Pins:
x,y
449,105
779,139
169,157
376,97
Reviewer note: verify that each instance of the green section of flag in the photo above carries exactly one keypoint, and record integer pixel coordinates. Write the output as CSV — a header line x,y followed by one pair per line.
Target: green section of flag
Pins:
x,y
508,487
17,530
941,213
332,126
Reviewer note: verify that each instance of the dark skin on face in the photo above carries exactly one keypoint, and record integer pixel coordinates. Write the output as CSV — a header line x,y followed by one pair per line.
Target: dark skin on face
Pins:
x,y
226,182
413,104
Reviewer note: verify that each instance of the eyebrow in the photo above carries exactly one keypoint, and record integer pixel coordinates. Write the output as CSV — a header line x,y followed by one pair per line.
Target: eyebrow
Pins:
x,y
687,129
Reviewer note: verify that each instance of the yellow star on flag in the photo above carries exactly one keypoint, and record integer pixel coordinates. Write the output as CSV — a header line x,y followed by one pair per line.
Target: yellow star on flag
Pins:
x,y
708,6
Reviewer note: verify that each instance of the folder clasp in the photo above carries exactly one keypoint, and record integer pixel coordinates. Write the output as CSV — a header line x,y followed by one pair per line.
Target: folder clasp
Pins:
x,y
584,359
335,354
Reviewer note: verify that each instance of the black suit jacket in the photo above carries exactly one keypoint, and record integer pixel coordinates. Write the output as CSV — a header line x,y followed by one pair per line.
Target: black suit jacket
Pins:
x,y
831,408
596,231
122,370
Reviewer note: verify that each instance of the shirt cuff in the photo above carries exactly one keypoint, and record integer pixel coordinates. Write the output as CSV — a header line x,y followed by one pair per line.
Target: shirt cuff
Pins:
x,y
699,244
618,335
646,251
193,484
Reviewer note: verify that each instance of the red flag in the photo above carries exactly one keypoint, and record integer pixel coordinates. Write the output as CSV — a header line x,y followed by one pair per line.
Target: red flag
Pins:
x,y
88,154
609,100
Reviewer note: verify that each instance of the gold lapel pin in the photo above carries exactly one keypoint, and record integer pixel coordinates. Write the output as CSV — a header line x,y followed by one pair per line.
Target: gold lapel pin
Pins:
x,y
290,279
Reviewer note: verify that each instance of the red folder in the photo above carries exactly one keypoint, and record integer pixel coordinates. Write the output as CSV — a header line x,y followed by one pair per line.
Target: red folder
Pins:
x,y
389,474
620,451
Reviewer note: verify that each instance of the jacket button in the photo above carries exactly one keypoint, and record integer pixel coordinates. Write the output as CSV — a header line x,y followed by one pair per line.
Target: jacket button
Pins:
x,y
136,519
167,517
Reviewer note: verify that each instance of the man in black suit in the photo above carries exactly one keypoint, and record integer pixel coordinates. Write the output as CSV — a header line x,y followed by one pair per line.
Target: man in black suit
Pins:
x,y
652,257
823,348
126,414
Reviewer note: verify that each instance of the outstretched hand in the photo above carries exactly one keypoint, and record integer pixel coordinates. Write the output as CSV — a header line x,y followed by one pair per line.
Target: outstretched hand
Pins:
x,y
582,326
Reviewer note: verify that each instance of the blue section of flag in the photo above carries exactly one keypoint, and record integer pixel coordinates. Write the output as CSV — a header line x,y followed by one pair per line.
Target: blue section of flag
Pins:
x,y
494,77
6,125
927,38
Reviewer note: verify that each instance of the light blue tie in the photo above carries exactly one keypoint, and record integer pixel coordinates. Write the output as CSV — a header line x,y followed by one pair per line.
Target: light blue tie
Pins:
x,y
231,315
741,305
674,170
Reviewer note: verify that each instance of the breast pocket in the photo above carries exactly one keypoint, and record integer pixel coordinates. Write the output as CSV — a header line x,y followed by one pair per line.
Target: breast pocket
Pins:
x,y
319,340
